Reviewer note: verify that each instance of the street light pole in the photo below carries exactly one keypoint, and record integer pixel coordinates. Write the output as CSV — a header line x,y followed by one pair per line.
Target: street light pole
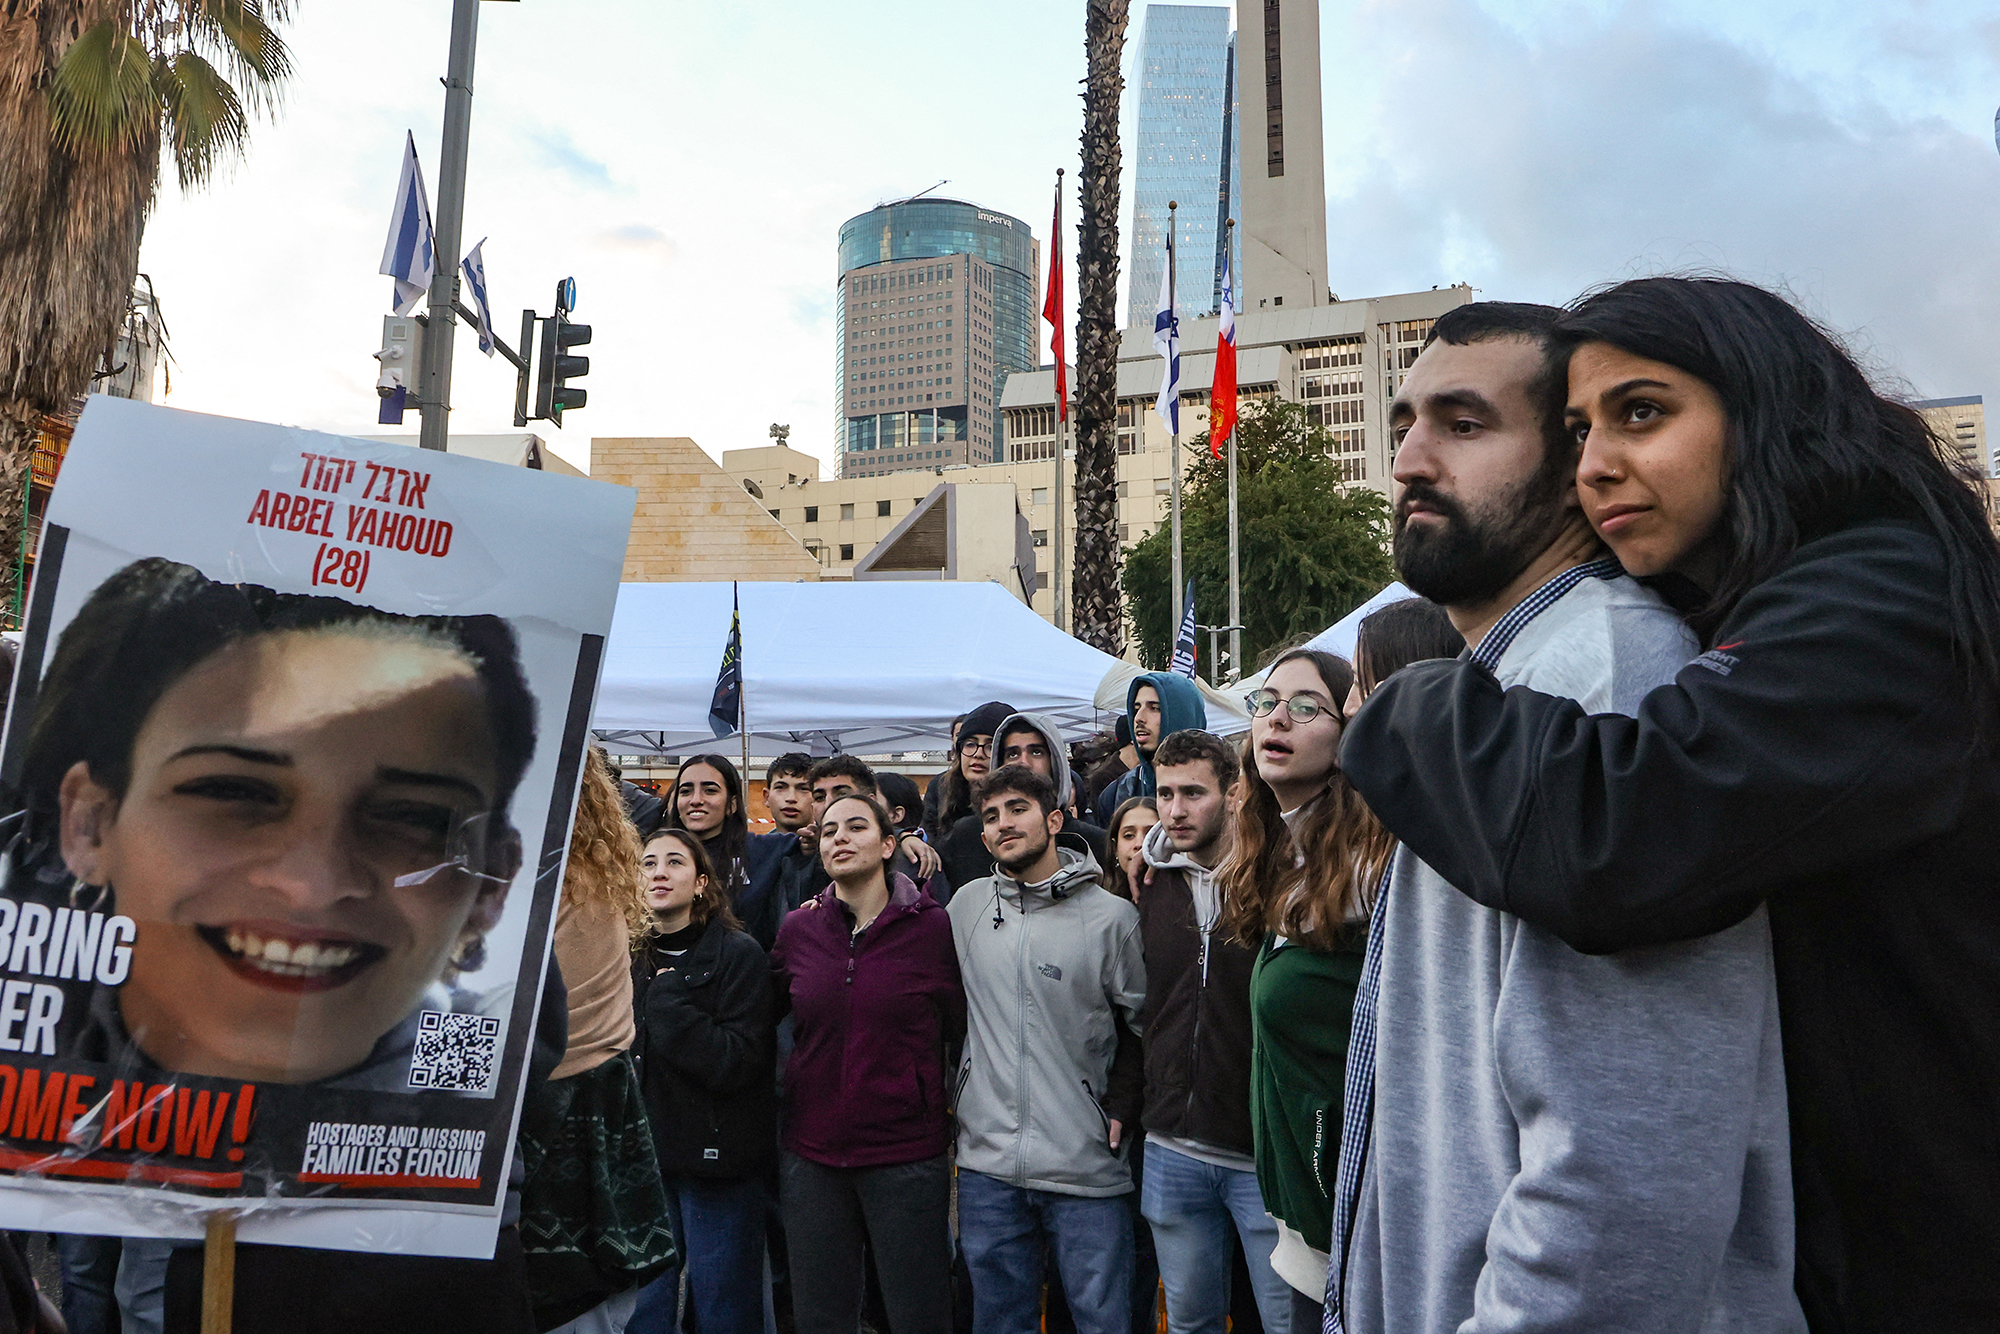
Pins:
x,y
442,323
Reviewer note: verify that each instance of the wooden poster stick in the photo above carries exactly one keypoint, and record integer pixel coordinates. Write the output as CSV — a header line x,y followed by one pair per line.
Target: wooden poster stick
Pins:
x,y
218,1273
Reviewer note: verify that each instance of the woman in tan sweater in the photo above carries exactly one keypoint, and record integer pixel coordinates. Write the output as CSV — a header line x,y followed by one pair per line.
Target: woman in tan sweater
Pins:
x,y
594,1210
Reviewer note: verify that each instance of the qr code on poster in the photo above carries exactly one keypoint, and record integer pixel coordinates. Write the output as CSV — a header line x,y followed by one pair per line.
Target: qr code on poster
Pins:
x,y
455,1052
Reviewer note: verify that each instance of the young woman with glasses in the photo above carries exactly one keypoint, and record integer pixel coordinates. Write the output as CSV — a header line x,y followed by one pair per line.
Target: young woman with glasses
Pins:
x,y
1298,886
972,760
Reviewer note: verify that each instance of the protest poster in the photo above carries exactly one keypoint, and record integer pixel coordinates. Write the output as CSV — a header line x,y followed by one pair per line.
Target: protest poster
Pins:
x,y
291,757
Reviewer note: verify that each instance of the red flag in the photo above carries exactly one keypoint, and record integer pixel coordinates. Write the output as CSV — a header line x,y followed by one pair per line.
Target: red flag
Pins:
x,y
1222,398
1052,308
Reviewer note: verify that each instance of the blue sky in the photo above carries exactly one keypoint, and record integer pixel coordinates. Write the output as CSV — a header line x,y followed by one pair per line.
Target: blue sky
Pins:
x,y
691,165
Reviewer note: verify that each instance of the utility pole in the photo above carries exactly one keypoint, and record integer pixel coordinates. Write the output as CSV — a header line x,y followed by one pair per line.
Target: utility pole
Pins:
x,y
1174,448
435,394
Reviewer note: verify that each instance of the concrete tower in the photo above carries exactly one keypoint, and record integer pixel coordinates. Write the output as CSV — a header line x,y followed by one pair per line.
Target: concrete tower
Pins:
x,y
1283,224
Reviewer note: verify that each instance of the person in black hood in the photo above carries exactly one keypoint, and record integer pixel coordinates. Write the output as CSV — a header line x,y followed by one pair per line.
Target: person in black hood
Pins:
x,y
1032,740
972,760
1832,753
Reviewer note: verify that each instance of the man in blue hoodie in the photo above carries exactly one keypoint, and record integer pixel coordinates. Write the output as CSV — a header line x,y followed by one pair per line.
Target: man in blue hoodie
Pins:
x,y
1157,704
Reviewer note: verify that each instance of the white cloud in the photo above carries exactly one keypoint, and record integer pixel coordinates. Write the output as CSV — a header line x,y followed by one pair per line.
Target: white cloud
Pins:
x,y
691,167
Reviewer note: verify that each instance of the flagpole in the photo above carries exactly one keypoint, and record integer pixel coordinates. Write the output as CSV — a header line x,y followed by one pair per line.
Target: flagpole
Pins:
x,y
1235,570
742,692
1174,455
1062,424
1055,527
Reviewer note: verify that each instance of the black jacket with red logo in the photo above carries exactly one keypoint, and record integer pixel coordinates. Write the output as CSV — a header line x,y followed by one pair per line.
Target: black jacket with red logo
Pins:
x,y
1819,758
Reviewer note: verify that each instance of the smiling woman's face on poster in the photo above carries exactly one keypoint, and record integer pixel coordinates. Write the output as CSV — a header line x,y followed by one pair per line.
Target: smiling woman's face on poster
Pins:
x,y
301,805
298,845
287,776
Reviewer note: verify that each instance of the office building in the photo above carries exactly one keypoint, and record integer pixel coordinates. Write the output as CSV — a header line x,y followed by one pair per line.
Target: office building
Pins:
x,y
937,307
1283,222
1182,140
1962,422
1343,360
862,527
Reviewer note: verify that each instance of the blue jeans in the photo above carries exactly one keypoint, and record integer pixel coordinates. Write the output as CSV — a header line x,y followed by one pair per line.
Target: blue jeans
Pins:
x,y
1191,1206
1001,1229
720,1228
89,1269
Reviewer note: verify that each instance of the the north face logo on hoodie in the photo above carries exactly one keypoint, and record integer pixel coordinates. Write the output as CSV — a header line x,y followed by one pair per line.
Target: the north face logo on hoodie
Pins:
x,y
1050,971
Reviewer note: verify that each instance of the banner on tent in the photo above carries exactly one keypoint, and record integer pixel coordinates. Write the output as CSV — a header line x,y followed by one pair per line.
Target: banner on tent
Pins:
x,y
297,728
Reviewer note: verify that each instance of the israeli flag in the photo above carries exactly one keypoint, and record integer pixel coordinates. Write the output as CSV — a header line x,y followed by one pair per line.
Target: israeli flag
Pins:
x,y
1184,647
474,267
1167,342
410,254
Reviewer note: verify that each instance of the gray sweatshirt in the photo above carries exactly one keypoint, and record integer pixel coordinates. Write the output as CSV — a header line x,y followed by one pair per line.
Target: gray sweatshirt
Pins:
x,y
1565,1142
1045,967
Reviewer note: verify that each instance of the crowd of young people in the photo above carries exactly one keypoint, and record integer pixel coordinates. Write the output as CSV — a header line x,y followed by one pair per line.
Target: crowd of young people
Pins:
x,y
1607,946
1610,945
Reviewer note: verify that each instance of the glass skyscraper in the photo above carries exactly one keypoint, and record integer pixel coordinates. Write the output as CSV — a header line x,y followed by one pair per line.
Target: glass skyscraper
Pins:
x,y
1183,151
936,308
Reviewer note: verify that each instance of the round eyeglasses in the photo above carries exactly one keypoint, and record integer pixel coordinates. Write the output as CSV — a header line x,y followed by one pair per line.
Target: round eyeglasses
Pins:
x,y
1302,708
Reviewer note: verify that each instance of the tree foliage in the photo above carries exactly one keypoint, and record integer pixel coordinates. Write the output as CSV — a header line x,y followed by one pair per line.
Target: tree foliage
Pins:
x,y
1312,548
90,94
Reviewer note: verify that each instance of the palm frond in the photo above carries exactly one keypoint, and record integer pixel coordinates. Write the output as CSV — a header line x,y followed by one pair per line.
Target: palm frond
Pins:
x,y
259,62
101,94
204,117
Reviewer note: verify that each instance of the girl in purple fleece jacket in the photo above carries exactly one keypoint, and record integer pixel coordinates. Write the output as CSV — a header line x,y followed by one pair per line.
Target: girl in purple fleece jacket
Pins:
x,y
870,972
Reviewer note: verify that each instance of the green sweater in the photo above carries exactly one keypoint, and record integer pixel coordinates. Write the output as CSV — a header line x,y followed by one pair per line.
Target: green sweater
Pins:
x,y
1301,1005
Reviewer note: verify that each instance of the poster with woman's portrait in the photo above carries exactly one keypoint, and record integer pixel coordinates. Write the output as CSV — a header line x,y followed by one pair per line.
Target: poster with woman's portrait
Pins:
x,y
288,771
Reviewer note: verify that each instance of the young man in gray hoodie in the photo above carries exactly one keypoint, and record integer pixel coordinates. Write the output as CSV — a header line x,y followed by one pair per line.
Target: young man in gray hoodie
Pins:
x,y
1558,1141
1054,981
1034,740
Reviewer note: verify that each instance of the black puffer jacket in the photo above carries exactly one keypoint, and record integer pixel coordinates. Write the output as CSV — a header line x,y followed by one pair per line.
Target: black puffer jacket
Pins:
x,y
1196,1021
1819,758
707,1055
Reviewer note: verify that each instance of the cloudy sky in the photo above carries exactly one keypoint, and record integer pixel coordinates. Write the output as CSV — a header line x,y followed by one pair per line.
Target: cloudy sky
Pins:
x,y
690,165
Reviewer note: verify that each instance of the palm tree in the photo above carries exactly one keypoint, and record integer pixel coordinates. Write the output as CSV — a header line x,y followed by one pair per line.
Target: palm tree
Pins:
x,y
90,91
1097,616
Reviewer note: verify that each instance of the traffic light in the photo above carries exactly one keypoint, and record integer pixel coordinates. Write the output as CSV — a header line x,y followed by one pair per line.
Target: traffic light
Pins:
x,y
553,390
401,354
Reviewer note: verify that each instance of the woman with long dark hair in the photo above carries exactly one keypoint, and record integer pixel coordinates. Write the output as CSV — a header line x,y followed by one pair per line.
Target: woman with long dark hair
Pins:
x,y
1126,839
1296,886
1396,636
153,790
871,975
1832,754
707,799
707,1035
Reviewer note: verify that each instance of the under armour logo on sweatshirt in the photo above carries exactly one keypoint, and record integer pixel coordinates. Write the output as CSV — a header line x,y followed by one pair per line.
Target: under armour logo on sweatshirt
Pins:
x,y
1050,971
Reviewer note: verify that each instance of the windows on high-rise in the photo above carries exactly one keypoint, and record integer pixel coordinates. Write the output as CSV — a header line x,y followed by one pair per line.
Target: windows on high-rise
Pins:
x,y
1183,149
936,307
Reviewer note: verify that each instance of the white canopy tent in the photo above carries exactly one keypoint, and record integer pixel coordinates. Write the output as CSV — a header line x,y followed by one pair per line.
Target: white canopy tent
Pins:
x,y
868,667
1340,636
